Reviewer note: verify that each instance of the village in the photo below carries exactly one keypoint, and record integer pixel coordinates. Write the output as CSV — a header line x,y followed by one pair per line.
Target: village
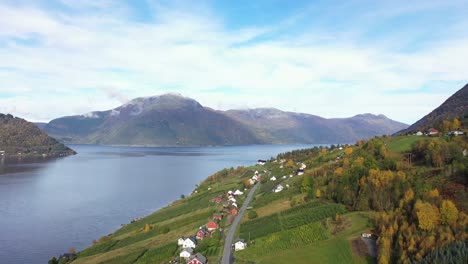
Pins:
x,y
227,210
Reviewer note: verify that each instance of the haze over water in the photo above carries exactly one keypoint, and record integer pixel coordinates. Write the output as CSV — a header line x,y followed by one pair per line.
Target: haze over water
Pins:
x,y
46,208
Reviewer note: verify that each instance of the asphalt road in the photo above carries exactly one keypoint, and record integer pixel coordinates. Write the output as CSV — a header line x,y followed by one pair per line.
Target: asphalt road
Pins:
x,y
227,252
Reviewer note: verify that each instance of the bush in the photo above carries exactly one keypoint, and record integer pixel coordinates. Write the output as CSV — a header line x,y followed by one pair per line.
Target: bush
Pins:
x,y
252,214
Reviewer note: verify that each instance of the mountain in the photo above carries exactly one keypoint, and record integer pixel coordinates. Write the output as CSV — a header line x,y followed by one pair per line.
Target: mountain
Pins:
x,y
277,126
166,120
456,106
171,119
20,136
40,125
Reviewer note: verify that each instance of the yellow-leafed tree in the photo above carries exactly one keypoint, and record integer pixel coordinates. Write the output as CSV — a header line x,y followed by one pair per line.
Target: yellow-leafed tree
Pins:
x,y
448,212
428,215
147,228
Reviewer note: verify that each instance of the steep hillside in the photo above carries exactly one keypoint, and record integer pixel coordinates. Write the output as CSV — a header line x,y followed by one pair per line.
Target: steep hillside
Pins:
x,y
21,138
414,211
171,120
456,106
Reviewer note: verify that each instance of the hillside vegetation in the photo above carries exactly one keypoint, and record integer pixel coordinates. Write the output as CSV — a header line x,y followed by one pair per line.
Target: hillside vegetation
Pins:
x,y
414,208
19,138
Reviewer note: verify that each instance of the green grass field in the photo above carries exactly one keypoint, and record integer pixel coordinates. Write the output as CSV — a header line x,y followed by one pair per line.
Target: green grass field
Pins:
x,y
295,247
402,143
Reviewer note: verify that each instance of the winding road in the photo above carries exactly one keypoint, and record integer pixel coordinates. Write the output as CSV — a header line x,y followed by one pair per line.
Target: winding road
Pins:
x,y
227,252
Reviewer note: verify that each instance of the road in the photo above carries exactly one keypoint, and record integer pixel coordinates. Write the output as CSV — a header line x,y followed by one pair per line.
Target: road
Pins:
x,y
227,252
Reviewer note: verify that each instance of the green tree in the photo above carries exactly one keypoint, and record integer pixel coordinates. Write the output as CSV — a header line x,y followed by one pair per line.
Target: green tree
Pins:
x,y
252,214
53,260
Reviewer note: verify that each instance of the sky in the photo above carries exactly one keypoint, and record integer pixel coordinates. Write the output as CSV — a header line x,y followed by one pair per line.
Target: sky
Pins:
x,y
327,58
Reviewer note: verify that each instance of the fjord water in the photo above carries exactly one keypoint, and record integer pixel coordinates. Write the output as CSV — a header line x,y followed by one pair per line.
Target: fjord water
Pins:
x,y
48,207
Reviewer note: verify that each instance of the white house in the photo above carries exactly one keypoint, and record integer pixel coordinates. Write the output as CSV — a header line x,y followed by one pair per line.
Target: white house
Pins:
x,y
240,245
303,166
180,242
186,253
284,177
229,192
189,243
234,204
419,133
261,162
238,192
252,182
279,188
256,178
281,166
232,199
273,178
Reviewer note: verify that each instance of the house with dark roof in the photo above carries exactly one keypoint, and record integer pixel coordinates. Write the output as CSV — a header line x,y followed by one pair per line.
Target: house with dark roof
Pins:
x,y
197,259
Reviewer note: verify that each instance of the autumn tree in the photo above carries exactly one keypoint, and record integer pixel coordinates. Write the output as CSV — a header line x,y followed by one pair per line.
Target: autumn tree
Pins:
x,y
323,151
456,124
338,171
318,193
345,163
448,212
428,215
147,228
446,125
289,164
348,151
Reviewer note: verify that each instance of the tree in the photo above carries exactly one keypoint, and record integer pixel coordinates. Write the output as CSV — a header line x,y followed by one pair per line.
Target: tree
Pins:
x,y
289,164
456,124
53,260
428,215
323,151
338,171
252,214
348,151
182,196
448,212
446,125
318,194
345,163
147,228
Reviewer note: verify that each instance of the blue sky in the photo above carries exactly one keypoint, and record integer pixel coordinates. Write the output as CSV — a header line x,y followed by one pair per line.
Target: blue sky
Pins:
x,y
328,58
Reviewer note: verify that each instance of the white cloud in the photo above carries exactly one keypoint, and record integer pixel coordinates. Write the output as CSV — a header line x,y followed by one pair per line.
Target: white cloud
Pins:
x,y
89,62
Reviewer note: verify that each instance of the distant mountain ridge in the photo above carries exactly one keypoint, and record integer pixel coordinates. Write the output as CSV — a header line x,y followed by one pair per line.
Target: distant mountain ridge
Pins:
x,y
21,138
456,106
175,120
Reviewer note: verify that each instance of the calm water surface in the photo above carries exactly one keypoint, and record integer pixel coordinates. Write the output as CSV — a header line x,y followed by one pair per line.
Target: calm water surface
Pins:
x,y
46,208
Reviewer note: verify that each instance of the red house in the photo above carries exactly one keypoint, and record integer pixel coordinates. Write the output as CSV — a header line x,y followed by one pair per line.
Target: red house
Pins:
x,y
218,217
212,226
201,234
433,132
234,211
197,259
